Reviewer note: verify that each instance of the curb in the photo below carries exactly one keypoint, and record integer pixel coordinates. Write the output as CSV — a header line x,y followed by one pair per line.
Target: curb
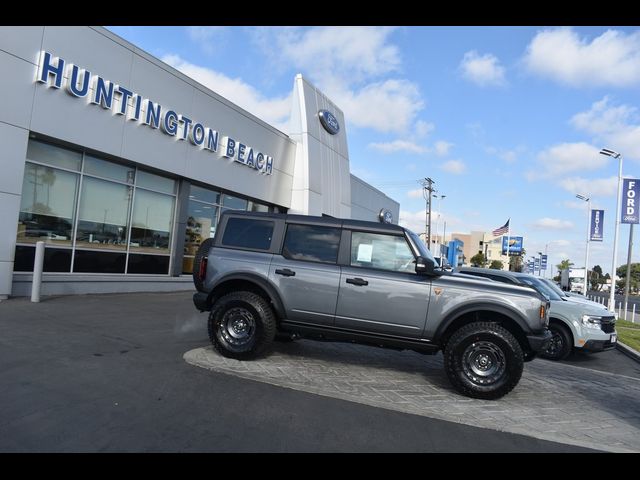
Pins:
x,y
628,351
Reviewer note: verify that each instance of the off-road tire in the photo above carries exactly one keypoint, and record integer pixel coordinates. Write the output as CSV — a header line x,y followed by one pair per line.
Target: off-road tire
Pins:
x,y
203,251
561,344
241,325
483,360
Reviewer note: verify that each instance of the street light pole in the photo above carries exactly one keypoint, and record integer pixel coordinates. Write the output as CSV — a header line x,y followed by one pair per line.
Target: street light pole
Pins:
x,y
616,155
586,256
427,185
437,252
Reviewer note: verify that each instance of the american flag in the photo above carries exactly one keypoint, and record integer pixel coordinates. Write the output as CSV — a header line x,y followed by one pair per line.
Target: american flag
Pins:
x,y
501,230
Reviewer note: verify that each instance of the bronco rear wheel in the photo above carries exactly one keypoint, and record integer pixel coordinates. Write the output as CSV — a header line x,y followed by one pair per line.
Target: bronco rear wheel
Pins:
x,y
242,325
483,360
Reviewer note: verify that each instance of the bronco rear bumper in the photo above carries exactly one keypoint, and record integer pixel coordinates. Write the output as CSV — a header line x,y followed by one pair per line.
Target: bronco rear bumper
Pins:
x,y
540,341
200,301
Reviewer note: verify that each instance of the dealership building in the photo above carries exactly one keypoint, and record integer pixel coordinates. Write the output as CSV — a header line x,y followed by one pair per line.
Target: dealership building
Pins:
x,y
122,165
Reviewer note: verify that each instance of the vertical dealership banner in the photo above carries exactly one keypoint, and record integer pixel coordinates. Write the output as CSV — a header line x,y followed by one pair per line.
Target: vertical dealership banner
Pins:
x,y
597,224
543,262
630,198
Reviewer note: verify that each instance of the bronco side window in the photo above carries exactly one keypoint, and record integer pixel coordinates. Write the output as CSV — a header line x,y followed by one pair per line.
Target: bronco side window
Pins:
x,y
311,243
385,252
248,233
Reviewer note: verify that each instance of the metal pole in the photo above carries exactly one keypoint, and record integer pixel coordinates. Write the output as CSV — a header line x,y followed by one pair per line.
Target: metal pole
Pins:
x,y
615,240
38,264
586,258
626,287
633,314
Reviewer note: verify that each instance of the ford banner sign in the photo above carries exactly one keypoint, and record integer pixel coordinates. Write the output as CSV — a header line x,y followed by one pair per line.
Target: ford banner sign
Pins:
x,y
630,194
597,223
515,245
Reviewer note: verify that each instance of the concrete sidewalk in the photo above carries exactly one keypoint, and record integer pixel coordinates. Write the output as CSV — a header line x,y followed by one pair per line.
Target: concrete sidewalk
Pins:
x,y
106,373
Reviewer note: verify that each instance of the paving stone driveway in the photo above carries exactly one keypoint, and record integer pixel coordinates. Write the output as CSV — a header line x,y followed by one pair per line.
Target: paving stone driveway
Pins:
x,y
553,401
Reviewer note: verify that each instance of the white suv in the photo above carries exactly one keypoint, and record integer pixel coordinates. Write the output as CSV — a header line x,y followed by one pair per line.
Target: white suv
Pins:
x,y
575,323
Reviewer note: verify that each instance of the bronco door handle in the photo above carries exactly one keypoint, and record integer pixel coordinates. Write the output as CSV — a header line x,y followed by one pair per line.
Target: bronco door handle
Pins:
x,y
285,272
357,281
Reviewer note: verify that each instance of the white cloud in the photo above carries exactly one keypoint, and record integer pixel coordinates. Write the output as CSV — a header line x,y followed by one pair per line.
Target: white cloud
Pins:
x,y
398,146
354,52
566,158
483,70
414,221
442,148
456,167
387,106
615,127
547,223
353,66
601,187
275,111
204,34
417,193
423,128
574,204
612,59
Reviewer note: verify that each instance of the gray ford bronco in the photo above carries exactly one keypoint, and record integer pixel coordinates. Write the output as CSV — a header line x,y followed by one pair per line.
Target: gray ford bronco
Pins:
x,y
267,276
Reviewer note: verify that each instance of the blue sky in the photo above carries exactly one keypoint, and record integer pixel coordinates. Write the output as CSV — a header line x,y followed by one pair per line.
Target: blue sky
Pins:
x,y
508,121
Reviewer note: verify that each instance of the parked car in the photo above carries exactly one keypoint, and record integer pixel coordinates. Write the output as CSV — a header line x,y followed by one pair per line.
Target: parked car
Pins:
x,y
265,274
575,325
442,263
570,296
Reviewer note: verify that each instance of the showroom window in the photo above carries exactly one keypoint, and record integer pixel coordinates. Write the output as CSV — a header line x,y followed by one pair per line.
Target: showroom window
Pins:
x,y
205,207
96,216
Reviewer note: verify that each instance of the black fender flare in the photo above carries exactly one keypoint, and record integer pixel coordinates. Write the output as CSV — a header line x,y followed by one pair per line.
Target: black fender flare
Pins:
x,y
259,281
482,306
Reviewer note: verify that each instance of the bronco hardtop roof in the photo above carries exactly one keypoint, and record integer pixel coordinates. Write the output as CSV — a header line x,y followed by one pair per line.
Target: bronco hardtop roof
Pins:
x,y
326,221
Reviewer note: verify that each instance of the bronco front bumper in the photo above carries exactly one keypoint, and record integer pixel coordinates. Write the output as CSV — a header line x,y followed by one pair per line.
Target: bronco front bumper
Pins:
x,y
540,341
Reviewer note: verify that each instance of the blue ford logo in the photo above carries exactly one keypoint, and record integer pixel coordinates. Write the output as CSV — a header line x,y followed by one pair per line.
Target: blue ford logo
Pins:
x,y
329,122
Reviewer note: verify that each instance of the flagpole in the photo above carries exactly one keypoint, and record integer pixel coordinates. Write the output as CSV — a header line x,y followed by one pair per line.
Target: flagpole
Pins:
x,y
508,242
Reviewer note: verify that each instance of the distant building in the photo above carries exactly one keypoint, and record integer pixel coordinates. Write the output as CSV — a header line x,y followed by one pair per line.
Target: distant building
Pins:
x,y
481,242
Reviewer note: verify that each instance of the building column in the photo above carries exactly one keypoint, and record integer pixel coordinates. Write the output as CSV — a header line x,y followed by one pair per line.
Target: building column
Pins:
x,y
180,225
12,157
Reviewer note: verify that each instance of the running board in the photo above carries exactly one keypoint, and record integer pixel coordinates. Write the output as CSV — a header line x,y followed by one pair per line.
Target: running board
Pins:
x,y
354,336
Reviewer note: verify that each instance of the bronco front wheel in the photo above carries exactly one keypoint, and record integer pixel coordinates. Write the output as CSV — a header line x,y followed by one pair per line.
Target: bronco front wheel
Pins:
x,y
483,360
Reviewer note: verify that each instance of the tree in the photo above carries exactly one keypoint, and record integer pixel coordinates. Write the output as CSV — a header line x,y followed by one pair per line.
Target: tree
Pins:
x,y
478,260
565,264
496,265
596,278
634,277
516,262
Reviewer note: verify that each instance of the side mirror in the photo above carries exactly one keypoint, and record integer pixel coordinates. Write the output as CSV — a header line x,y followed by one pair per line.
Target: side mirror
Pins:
x,y
424,266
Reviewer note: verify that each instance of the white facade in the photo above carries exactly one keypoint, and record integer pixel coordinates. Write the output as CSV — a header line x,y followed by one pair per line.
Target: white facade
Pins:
x,y
305,171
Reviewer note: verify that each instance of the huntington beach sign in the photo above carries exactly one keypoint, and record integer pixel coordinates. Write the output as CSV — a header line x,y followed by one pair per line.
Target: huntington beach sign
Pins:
x,y
56,73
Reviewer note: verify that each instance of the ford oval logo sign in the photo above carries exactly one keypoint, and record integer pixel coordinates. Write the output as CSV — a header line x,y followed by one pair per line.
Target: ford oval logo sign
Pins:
x,y
329,121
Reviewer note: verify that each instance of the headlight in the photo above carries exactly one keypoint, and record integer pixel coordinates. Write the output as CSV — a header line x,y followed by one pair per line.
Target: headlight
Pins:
x,y
591,321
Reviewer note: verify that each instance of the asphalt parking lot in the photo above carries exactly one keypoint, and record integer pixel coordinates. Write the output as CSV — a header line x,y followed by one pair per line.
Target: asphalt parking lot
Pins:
x,y
134,372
